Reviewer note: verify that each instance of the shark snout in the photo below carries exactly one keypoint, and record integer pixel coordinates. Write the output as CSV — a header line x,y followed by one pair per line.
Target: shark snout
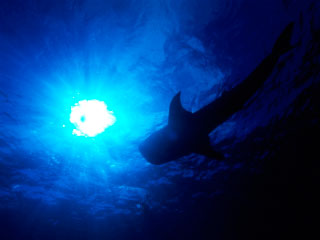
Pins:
x,y
160,147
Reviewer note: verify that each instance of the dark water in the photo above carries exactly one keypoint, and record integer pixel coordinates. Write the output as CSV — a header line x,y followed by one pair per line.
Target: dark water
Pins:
x,y
135,56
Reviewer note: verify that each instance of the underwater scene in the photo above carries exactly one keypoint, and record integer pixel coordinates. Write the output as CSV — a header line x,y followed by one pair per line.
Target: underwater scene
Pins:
x,y
159,119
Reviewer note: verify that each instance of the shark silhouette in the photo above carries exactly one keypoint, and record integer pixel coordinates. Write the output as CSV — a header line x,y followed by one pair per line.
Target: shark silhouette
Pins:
x,y
188,132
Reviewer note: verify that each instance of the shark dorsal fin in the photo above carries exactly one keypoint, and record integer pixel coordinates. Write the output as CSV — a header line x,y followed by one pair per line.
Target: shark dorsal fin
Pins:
x,y
177,113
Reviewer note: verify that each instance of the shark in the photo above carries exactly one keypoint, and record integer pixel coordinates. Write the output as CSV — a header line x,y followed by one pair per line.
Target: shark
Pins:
x,y
187,133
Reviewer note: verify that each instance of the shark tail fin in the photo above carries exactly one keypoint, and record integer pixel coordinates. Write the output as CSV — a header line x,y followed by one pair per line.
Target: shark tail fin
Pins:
x,y
282,44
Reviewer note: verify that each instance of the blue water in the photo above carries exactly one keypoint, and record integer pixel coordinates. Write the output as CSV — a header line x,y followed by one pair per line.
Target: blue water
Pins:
x,y
135,56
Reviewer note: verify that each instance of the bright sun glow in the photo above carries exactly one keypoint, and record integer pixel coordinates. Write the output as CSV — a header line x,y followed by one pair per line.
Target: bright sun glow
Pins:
x,y
91,117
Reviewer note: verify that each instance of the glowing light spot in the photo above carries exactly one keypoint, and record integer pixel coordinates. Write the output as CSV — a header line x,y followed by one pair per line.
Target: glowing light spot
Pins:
x,y
91,117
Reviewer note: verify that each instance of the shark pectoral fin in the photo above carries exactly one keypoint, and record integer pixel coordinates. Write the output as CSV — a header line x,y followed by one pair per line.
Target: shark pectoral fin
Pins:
x,y
177,114
206,150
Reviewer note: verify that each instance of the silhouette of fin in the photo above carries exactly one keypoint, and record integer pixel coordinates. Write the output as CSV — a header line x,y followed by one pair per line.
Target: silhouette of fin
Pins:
x,y
204,148
177,114
282,44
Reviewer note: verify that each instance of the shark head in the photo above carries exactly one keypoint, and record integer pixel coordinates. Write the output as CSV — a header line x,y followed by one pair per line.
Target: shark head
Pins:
x,y
169,143
162,146
182,136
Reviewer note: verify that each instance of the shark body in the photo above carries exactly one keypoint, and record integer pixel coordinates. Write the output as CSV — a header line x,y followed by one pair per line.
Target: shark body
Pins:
x,y
188,132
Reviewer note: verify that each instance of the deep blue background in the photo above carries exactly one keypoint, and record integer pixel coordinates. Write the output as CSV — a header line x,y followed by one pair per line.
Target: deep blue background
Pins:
x,y
136,55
